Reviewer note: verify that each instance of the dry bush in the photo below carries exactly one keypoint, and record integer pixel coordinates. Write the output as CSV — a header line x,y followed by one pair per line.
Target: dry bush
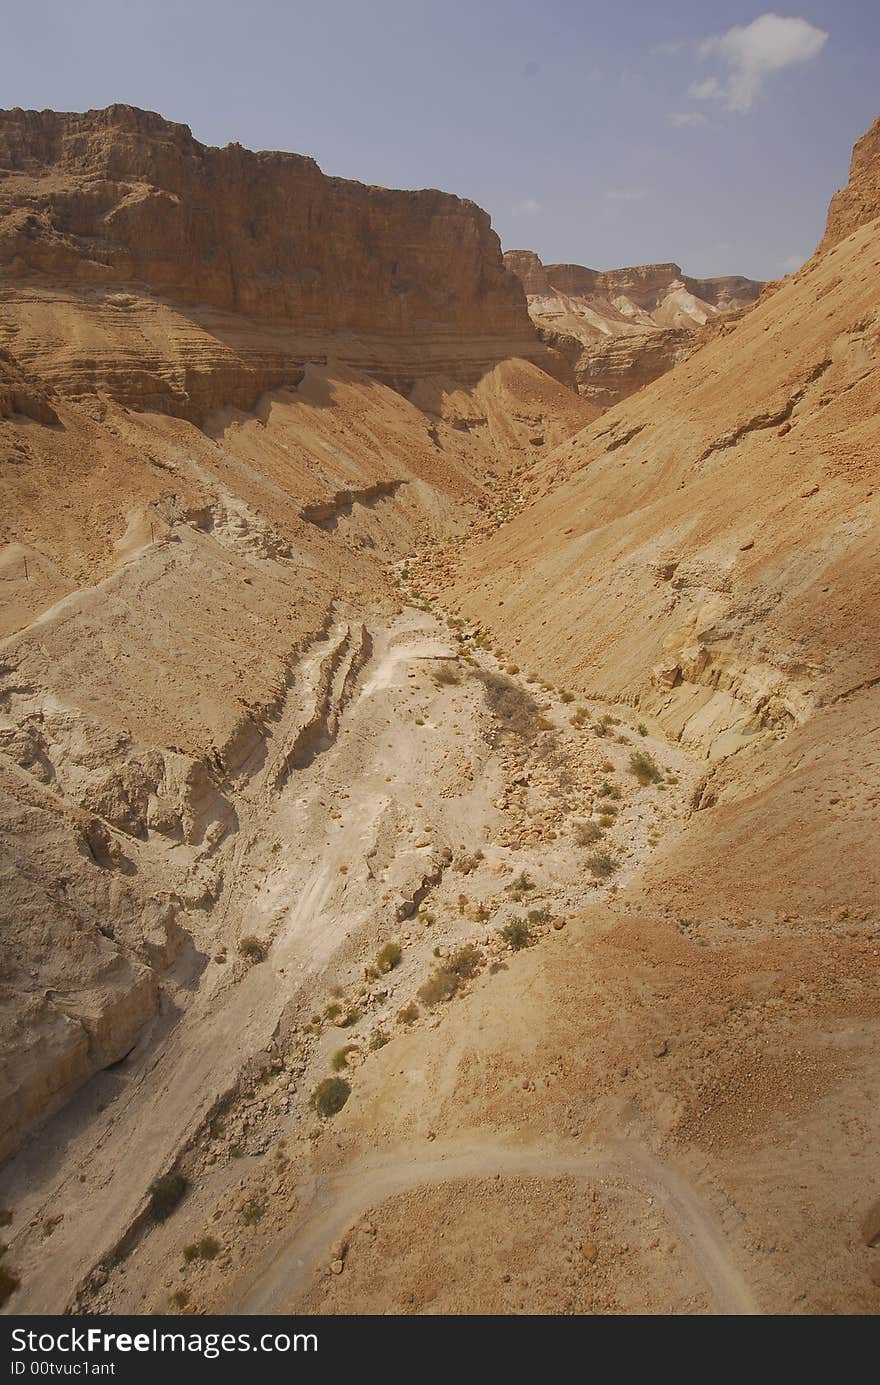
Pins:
x,y
252,1210
388,957
586,833
602,864
441,985
466,962
446,676
252,949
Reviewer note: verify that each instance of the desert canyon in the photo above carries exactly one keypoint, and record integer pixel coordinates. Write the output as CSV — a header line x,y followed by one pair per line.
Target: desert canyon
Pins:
x,y
439,752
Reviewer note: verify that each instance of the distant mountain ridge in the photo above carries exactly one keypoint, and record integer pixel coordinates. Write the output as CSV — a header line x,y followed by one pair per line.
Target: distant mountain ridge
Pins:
x,y
656,308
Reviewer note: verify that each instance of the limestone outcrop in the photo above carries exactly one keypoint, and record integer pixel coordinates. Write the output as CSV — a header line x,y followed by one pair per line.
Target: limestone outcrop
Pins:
x,y
620,329
180,277
859,202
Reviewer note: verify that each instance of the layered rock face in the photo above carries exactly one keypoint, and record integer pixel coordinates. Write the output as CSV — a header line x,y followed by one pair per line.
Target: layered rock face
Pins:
x,y
622,328
709,553
193,481
731,511
217,272
859,202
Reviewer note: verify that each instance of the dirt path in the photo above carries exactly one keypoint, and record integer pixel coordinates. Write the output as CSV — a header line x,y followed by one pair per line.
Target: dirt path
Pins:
x,y
332,1205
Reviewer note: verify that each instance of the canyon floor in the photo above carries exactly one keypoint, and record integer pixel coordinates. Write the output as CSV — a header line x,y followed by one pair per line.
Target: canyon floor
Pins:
x,y
502,1149
439,800
438,819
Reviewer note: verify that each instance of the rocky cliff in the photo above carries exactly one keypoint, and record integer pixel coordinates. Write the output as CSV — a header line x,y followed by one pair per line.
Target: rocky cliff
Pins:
x,y
193,482
859,202
622,328
215,273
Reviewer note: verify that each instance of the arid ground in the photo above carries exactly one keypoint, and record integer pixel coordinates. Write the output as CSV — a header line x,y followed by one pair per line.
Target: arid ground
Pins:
x,y
440,812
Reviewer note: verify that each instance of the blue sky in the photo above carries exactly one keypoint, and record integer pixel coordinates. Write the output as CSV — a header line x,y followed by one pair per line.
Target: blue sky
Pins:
x,y
605,133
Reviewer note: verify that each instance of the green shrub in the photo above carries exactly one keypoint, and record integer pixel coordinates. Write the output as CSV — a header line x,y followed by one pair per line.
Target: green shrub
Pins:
x,y
388,957
165,1193
330,1096
516,934
339,1061
351,1016
180,1298
409,1014
645,768
602,864
332,1011
566,697
208,1248
378,1039
609,791
642,729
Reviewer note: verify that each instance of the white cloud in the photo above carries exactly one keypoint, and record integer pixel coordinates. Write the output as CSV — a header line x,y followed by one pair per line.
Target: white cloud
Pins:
x,y
625,194
682,119
793,263
751,53
702,91
527,208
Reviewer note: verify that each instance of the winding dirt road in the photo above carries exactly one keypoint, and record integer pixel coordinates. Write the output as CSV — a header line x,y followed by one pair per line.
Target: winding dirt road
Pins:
x,y
332,1204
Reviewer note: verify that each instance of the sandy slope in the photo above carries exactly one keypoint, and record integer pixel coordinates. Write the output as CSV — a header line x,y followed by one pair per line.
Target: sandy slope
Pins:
x,y
243,746
387,803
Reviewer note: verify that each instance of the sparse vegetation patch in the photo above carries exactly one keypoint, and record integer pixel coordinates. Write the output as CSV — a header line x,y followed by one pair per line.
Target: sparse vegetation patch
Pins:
x,y
165,1194
330,1096
516,934
645,768
252,949
602,864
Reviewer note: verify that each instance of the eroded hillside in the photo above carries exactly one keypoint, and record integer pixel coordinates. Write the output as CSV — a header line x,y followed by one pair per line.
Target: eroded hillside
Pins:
x,y
620,329
439,824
